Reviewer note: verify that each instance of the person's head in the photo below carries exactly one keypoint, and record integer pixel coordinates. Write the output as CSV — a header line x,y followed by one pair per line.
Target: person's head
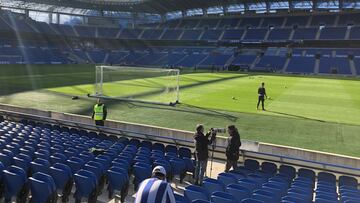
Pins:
x,y
200,128
98,101
159,172
262,84
232,130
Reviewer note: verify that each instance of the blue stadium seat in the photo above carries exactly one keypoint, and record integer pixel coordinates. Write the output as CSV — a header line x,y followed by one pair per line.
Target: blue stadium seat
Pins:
x,y
238,191
62,176
22,161
75,164
193,192
118,179
180,198
85,183
43,188
288,171
227,178
222,197
348,181
15,181
40,165
252,200
212,185
141,172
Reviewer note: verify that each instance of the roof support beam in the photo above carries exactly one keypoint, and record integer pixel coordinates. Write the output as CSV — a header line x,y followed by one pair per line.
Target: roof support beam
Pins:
x,y
314,6
267,6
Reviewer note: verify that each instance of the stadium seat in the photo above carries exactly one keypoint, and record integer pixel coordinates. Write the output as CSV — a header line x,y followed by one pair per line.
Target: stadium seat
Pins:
x,y
15,181
307,173
180,198
212,185
193,192
252,200
85,183
222,197
348,181
327,177
141,172
287,171
227,178
62,176
22,161
43,188
40,165
75,164
238,191
118,180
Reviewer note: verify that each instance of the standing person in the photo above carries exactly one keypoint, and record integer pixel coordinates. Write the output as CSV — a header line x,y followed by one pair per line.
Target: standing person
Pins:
x,y
155,189
201,152
99,113
262,95
232,150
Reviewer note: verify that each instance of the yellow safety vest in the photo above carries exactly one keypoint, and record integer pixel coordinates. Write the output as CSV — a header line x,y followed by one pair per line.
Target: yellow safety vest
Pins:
x,y
99,112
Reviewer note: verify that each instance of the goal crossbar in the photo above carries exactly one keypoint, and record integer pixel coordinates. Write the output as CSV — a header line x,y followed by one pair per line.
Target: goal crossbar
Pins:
x,y
99,83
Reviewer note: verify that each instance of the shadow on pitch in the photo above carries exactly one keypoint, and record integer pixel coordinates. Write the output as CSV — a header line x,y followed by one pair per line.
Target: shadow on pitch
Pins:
x,y
295,116
187,108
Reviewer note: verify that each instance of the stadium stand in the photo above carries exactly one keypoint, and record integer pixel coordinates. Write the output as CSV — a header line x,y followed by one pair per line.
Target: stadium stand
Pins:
x,y
127,159
301,64
226,29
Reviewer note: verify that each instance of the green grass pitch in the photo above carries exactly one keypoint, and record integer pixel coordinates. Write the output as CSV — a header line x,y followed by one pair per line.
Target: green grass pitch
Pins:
x,y
309,112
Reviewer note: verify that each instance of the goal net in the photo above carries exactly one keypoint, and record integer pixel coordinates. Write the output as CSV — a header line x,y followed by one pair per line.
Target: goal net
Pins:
x,y
148,85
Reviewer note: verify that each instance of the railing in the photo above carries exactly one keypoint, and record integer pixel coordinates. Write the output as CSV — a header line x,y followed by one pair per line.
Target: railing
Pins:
x,y
218,151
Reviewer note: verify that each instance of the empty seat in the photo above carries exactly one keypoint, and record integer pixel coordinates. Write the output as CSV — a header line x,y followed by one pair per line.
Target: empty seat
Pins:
x,y
213,185
62,176
348,181
227,178
43,189
15,181
327,177
118,180
288,171
222,197
238,191
85,183
40,165
193,192
141,172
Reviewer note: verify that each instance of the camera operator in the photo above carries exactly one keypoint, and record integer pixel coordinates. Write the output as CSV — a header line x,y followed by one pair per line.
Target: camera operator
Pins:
x,y
232,150
202,152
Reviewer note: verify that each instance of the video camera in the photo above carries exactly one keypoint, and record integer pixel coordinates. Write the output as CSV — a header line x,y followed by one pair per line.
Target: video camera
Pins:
x,y
218,130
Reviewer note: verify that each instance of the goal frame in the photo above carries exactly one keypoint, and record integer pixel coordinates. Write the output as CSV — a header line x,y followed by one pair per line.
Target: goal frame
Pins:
x,y
99,80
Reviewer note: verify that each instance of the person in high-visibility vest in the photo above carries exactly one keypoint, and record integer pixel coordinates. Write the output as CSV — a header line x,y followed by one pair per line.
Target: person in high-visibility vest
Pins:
x,y
99,113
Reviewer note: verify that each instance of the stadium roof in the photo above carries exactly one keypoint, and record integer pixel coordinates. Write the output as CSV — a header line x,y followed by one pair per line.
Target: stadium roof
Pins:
x,y
156,6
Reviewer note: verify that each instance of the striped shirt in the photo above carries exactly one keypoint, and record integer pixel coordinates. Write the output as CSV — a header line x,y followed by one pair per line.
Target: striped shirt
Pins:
x,y
153,190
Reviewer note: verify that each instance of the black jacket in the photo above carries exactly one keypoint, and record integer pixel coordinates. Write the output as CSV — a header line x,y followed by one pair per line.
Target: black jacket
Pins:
x,y
201,146
232,150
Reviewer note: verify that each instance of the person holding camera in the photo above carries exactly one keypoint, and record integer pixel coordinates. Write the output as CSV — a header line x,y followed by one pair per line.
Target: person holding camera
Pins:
x,y
232,150
202,142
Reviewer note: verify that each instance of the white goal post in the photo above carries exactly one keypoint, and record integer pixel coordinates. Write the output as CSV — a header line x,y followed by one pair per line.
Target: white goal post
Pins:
x,y
137,84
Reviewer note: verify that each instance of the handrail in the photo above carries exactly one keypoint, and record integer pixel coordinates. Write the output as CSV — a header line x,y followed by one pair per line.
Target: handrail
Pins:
x,y
147,135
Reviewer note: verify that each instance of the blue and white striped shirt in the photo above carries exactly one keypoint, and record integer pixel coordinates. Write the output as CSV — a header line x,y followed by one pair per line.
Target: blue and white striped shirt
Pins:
x,y
153,190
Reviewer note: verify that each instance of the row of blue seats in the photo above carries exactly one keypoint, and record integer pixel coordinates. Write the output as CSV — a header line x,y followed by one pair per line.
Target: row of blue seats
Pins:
x,y
328,33
32,148
329,20
266,183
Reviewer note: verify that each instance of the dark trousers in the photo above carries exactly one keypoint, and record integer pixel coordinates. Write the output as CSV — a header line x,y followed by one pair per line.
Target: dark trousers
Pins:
x,y
99,123
261,99
229,164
